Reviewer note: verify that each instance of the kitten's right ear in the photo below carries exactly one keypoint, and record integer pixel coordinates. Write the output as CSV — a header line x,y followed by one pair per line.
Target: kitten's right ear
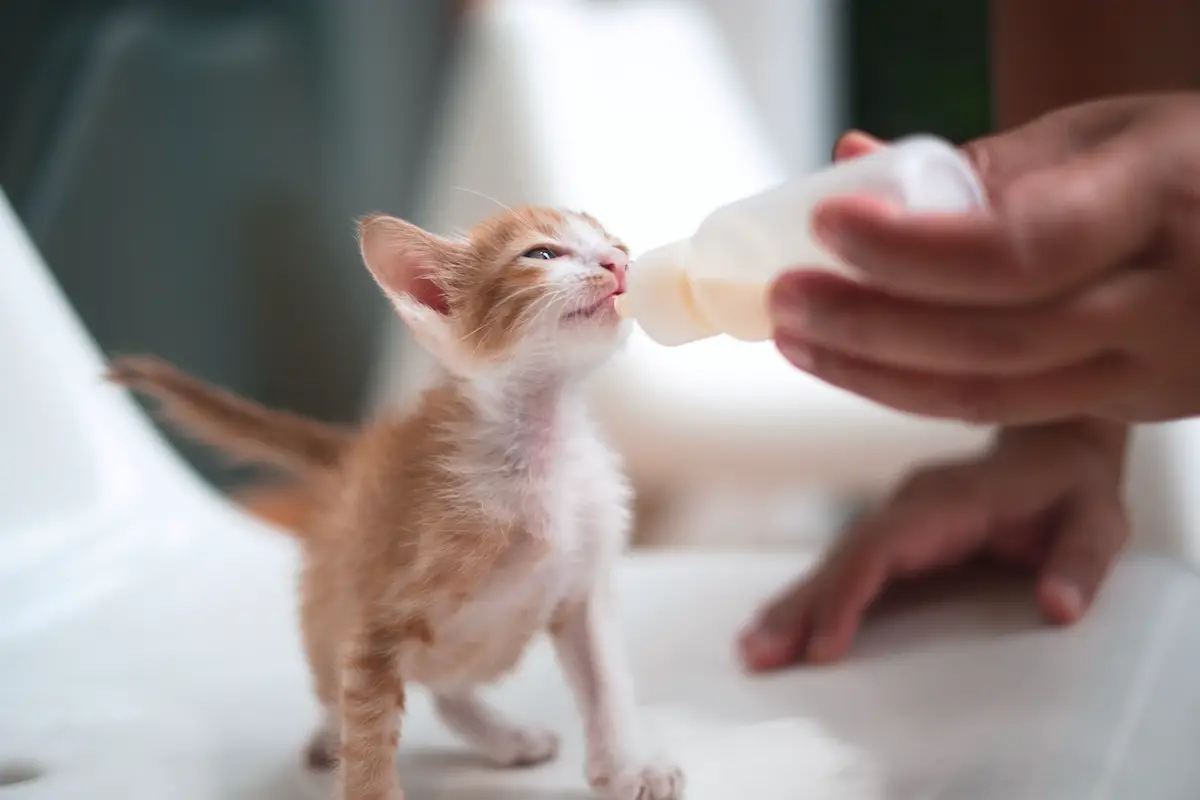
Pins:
x,y
406,260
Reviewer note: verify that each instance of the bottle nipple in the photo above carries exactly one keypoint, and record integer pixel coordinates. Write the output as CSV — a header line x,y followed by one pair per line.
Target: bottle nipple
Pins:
x,y
659,297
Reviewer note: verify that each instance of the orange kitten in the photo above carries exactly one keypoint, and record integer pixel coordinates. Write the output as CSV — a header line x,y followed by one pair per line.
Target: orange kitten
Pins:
x,y
438,544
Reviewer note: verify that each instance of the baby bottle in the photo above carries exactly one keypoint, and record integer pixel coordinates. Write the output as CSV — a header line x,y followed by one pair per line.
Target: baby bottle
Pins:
x,y
716,281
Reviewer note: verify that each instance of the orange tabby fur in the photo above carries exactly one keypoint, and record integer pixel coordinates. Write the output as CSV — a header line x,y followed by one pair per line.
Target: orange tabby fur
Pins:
x,y
284,506
437,544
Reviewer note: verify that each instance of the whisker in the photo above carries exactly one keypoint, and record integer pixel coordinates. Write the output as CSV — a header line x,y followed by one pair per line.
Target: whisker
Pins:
x,y
533,313
483,196
537,308
507,298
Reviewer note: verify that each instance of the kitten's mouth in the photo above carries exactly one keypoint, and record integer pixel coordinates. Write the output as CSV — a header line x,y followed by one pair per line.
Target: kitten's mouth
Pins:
x,y
597,309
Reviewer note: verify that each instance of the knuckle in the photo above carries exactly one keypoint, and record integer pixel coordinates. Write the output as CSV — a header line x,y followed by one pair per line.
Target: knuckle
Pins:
x,y
848,320
976,401
1095,552
1114,520
935,482
850,325
917,484
1094,473
978,152
998,342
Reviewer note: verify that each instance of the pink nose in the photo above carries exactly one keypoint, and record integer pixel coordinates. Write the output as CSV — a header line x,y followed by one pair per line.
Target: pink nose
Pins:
x,y
616,262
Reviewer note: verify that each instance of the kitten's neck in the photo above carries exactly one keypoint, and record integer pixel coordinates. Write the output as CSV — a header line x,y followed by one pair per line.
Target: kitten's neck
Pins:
x,y
515,422
532,399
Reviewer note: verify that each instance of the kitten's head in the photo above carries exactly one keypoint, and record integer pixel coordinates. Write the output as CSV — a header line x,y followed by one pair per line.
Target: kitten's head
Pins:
x,y
533,284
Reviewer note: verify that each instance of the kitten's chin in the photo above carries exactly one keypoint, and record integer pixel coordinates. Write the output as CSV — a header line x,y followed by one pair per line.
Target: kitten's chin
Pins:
x,y
589,345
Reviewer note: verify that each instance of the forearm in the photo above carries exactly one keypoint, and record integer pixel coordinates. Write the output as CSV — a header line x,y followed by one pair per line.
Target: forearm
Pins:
x,y
1105,437
1047,54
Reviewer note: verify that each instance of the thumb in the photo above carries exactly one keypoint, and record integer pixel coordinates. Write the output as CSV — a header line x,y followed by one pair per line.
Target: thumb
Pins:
x,y
1086,215
1091,535
1002,158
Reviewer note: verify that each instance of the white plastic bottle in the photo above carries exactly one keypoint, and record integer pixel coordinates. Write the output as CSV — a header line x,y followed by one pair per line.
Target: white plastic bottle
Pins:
x,y
716,281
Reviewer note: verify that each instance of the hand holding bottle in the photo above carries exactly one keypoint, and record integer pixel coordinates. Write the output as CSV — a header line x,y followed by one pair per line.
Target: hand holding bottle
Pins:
x,y
1076,293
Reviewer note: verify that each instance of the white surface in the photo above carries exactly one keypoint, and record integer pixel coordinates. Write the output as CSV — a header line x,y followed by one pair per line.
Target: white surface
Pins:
x,y
190,679
148,646
635,111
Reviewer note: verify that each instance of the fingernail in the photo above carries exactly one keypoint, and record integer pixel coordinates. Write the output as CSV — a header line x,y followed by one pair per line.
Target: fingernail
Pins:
x,y
763,650
837,145
828,234
1068,597
798,353
841,140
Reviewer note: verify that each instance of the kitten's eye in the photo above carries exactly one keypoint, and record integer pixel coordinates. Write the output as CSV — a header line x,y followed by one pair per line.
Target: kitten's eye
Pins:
x,y
543,253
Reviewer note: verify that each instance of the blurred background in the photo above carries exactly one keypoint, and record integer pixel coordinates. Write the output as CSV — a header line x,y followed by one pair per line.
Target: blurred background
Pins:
x,y
191,171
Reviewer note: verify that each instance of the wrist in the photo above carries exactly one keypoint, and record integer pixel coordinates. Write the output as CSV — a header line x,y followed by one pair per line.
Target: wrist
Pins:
x,y
1107,438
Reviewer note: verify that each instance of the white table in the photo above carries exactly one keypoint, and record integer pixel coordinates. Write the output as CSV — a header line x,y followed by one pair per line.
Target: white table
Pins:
x,y
185,680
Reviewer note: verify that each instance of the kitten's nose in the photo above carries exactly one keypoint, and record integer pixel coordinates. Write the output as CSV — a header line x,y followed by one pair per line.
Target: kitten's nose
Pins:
x,y
616,262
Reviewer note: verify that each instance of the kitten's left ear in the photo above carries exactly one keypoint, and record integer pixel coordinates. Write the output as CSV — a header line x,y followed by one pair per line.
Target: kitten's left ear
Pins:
x,y
410,265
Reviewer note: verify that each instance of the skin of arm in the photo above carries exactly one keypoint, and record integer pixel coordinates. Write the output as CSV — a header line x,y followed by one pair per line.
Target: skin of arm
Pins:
x,y
1047,54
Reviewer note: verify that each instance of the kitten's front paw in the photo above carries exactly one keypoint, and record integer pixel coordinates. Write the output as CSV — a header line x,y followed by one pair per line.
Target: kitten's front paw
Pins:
x,y
321,755
646,782
523,747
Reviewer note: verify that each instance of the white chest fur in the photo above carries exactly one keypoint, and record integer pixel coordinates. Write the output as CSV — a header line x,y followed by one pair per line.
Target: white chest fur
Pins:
x,y
545,474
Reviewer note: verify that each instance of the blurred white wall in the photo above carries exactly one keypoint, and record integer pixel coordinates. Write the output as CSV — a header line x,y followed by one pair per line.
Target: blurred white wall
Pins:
x,y
789,53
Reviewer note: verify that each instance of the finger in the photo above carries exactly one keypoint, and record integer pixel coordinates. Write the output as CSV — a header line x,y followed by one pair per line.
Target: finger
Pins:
x,y
951,258
937,519
1076,220
1092,535
1024,545
1050,231
778,635
854,144
852,576
1020,400
847,317
855,582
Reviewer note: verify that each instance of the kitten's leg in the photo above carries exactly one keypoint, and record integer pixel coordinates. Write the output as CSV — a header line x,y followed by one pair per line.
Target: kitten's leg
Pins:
x,y
593,659
502,741
325,742
372,702
319,627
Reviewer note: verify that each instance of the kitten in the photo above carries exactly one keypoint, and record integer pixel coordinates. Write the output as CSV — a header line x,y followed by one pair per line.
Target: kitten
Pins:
x,y
436,545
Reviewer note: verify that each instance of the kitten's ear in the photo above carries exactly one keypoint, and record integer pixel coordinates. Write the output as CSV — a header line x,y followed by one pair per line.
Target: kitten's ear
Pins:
x,y
407,263
406,260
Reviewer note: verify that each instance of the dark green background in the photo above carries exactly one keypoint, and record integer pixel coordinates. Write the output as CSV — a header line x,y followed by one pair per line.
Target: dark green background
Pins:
x,y
918,65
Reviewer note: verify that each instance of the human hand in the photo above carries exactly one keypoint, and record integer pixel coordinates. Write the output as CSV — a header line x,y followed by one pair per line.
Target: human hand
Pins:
x,y
1044,498
1077,293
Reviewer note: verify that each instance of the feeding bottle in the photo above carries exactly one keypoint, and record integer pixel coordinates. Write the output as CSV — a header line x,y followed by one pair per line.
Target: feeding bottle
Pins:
x,y
716,281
